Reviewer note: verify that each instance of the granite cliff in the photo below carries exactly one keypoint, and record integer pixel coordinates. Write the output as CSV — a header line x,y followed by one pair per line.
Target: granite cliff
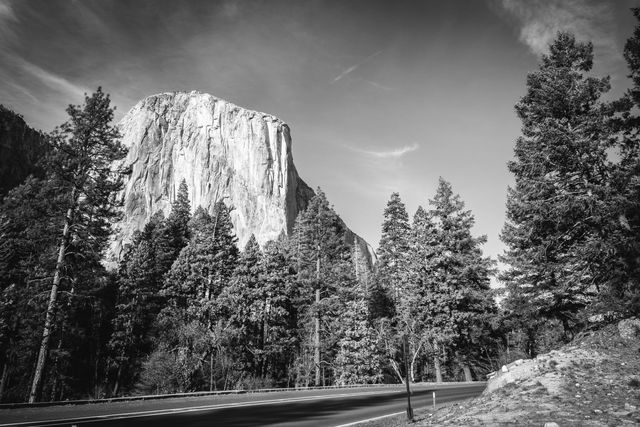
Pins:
x,y
224,152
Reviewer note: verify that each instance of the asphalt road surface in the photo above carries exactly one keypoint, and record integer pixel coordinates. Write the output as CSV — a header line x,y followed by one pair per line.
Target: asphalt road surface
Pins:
x,y
320,408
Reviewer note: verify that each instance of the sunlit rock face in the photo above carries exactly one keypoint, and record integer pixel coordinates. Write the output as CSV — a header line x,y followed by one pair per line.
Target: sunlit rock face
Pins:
x,y
224,152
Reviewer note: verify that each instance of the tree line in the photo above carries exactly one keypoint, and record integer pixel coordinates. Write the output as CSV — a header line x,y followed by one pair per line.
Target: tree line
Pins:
x,y
188,310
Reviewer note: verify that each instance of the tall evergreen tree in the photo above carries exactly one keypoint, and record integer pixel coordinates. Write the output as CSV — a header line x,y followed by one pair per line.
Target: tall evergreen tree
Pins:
x,y
244,294
451,277
358,360
621,292
324,266
278,290
204,266
394,248
175,233
84,149
141,276
195,319
556,212
27,245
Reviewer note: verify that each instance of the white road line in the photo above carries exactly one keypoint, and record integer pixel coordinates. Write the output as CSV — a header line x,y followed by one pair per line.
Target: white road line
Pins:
x,y
185,410
371,419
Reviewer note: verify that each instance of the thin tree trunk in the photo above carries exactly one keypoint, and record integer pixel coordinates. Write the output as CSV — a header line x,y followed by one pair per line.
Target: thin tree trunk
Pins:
x,y
118,375
51,309
54,389
436,367
3,379
394,365
96,389
436,363
467,372
316,344
413,361
263,344
211,371
317,319
56,360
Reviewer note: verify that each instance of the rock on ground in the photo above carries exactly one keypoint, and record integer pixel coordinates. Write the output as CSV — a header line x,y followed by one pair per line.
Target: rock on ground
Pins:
x,y
593,381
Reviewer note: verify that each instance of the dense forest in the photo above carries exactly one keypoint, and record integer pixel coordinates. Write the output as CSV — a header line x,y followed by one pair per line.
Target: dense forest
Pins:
x,y
187,310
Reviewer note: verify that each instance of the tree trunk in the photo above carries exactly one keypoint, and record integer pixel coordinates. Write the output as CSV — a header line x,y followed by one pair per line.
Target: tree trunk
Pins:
x,y
3,379
436,363
467,372
57,380
436,367
396,369
114,393
51,309
413,362
264,361
316,344
211,371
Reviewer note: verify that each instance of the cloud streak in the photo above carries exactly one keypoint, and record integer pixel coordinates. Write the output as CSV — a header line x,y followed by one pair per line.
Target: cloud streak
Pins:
x,y
6,11
7,17
540,21
53,81
354,67
391,154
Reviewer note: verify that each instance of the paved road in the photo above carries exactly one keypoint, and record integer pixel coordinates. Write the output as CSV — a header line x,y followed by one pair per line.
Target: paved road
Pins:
x,y
301,409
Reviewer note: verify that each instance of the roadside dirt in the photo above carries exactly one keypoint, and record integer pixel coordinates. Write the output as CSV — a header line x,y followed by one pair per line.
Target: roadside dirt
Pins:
x,y
593,381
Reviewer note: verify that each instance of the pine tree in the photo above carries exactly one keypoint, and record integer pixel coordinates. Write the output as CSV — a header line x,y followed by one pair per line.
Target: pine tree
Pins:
x,y
196,318
139,280
141,276
451,276
278,289
358,360
84,149
204,266
175,233
621,284
323,262
415,314
244,295
394,248
556,212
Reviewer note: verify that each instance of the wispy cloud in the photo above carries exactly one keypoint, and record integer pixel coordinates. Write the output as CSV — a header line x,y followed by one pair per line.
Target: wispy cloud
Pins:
x,y
354,67
6,10
53,81
377,85
21,89
540,21
7,17
390,154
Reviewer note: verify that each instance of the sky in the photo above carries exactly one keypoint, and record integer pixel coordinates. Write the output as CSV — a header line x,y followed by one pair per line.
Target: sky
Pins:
x,y
380,97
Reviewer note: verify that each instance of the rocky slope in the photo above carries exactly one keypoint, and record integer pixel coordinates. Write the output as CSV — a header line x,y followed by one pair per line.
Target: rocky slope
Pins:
x,y
224,152
20,148
593,381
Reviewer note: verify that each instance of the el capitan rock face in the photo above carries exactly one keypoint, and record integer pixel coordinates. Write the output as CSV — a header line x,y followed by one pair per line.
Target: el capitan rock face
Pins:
x,y
224,152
